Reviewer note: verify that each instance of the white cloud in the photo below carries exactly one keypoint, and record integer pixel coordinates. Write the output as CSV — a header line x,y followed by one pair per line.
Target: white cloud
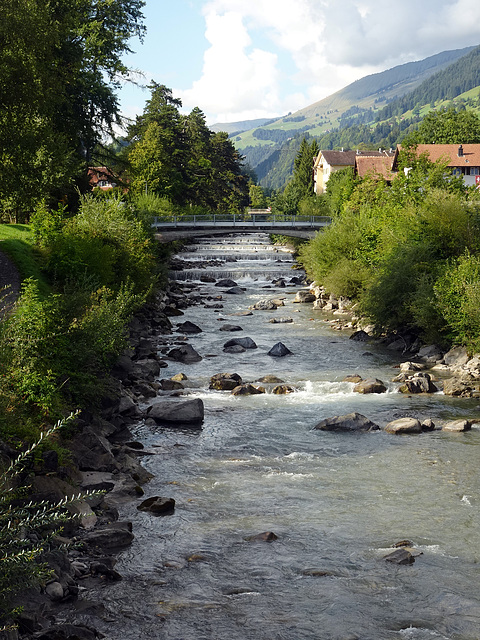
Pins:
x,y
326,43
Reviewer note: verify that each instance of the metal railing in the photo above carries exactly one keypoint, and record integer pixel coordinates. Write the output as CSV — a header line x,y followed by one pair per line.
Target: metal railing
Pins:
x,y
261,220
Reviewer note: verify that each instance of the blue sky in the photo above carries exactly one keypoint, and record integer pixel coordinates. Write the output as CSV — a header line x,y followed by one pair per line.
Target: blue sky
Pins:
x,y
245,59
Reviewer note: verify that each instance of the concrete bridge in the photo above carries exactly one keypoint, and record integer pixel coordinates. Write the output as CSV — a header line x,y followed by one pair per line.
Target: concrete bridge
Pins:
x,y
178,227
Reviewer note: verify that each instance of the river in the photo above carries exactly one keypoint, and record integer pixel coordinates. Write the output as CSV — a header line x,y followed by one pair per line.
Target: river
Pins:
x,y
337,502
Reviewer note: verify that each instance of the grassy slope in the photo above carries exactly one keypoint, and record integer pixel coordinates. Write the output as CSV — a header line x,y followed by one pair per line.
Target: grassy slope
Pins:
x,y
16,241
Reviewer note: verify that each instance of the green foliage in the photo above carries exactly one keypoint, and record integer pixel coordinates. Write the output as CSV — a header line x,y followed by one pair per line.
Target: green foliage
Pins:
x,y
60,63
178,158
105,244
56,352
340,187
447,126
457,295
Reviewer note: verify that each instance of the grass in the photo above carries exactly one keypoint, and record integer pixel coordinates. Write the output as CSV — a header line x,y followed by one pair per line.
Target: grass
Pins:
x,y
16,241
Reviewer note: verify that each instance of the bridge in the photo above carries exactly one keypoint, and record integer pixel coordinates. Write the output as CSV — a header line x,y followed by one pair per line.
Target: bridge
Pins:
x,y
177,227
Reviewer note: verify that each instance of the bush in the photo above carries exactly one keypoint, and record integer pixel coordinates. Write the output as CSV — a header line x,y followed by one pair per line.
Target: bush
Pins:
x,y
457,294
55,352
105,244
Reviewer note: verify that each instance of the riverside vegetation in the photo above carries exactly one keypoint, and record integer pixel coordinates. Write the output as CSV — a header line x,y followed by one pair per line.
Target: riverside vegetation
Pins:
x,y
57,346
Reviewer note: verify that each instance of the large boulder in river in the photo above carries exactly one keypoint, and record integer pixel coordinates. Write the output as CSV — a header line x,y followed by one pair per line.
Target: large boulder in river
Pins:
x,y
283,389
304,296
226,282
235,290
225,381
231,327
404,425
246,343
188,327
349,422
457,426
177,411
234,348
186,354
247,390
279,350
418,383
372,385
265,305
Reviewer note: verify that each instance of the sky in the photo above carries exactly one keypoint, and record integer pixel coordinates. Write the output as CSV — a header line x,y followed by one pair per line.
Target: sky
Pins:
x,y
246,59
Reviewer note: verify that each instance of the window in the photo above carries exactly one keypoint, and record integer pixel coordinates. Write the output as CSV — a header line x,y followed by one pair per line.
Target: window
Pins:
x,y
475,171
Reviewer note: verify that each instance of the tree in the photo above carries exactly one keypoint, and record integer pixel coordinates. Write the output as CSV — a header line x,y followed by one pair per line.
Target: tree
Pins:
x,y
158,154
60,63
447,127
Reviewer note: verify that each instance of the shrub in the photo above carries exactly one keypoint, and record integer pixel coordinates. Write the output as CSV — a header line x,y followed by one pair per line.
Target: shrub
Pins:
x,y
457,294
106,243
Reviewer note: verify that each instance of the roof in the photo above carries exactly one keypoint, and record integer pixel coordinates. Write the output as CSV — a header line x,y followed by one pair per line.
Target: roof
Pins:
x,y
450,153
375,165
348,158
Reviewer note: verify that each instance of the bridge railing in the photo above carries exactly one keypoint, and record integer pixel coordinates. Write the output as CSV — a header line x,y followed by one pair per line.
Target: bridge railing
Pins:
x,y
241,220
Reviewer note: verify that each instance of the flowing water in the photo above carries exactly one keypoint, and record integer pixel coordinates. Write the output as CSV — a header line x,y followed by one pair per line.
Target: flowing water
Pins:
x,y
336,501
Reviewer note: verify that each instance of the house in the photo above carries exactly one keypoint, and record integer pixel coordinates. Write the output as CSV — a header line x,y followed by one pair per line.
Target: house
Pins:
x,y
363,162
101,178
463,159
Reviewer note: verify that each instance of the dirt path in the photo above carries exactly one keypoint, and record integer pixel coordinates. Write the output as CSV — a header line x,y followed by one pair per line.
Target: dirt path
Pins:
x,y
9,282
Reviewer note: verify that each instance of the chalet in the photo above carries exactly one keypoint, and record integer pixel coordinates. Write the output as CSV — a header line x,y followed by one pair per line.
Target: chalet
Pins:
x,y
363,162
101,178
463,159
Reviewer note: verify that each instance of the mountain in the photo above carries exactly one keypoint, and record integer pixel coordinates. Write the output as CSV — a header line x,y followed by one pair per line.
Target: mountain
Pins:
x,y
239,127
374,111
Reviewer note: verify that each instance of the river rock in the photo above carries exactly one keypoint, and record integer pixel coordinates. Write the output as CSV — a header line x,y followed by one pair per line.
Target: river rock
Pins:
x,y
430,353
372,385
360,336
400,556
349,422
354,378
282,389
235,348
279,350
264,305
54,591
217,305
175,411
408,367
458,387
231,327
235,291
185,354
179,377
157,506
404,425
112,537
247,390
279,283
304,297
242,314
428,425
226,282
246,343
418,383
456,358
188,327
146,369
171,385
457,426
225,381
473,367
270,379
266,536
281,320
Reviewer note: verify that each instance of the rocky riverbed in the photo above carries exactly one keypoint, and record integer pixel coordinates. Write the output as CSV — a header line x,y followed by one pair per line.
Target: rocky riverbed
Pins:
x,y
107,458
